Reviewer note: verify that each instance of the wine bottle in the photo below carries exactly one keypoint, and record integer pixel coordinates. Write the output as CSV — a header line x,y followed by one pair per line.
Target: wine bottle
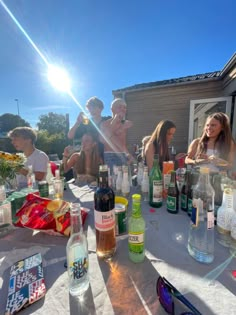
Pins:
x,y
104,216
172,201
155,184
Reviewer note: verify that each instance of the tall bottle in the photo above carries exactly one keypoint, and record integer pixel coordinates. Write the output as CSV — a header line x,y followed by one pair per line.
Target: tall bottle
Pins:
x,y
119,180
140,173
172,202
180,174
49,179
193,181
184,192
155,184
125,187
224,217
201,232
136,228
77,254
104,216
145,184
30,177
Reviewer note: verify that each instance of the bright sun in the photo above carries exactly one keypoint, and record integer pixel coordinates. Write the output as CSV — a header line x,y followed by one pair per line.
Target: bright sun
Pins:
x,y
59,78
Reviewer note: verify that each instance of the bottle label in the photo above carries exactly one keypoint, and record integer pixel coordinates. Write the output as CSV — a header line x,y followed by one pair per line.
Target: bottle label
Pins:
x,y
210,220
166,181
157,191
104,221
190,206
171,203
136,243
184,201
78,268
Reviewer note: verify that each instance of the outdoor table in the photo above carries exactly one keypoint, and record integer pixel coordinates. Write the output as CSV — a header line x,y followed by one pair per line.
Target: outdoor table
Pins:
x,y
119,286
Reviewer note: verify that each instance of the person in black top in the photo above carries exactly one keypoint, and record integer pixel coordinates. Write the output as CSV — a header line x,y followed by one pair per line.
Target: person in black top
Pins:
x,y
95,106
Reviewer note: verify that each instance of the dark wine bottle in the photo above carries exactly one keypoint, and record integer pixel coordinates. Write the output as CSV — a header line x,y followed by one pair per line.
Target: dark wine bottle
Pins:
x,y
172,201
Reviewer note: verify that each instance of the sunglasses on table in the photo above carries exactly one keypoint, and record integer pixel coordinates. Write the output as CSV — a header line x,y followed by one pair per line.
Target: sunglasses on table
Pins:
x,y
169,297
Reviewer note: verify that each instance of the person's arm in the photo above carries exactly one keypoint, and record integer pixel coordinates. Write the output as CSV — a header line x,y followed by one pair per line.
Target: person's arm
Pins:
x,y
228,163
72,131
69,162
192,150
149,154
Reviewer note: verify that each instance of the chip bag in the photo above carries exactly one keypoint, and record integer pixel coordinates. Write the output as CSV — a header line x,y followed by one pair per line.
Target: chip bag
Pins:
x,y
45,214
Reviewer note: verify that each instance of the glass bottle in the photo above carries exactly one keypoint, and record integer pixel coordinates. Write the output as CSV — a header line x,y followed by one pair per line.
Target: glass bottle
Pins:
x,y
49,180
201,232
5,212
180,174
30,177
172,202
136,228
193,181
104,216
140,173
77,254
155,184
119,180
145,184
125,186
224,217
184,192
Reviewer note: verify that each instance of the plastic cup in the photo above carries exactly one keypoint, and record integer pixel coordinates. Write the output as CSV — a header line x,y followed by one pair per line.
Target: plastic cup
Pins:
x,y
58,186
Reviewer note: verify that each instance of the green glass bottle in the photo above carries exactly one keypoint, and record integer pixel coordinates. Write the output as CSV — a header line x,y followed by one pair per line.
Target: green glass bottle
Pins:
x,y
172,202
136,230
155,184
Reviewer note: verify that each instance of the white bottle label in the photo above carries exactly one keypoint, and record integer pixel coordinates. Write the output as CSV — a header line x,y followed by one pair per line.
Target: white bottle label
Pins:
x,y
225,213
157,191
104,221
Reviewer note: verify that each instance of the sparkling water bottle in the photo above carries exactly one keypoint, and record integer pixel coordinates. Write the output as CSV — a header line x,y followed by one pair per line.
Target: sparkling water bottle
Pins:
x,y
201,232
77,254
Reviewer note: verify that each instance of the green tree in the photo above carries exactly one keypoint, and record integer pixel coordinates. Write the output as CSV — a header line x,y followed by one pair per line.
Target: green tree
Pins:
x,y
10,121
53,123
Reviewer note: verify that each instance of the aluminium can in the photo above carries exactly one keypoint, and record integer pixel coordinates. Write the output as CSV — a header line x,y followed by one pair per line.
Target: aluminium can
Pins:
x,y
120,213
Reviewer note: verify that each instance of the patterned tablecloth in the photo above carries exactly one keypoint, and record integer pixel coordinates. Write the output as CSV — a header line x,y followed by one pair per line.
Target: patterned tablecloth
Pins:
x,y
120,286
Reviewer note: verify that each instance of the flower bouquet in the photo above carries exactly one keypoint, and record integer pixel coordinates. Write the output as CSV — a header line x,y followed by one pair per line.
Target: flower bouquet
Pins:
x,y
10,164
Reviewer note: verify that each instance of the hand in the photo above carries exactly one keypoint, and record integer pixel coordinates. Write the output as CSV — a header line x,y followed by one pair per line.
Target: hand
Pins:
x,y
80,118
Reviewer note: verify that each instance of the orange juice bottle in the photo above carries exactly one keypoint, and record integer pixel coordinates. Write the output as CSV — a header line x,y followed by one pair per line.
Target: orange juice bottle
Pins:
x,y
168,166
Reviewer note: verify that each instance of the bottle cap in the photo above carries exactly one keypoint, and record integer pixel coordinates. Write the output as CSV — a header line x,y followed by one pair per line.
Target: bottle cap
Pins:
x,y
136,197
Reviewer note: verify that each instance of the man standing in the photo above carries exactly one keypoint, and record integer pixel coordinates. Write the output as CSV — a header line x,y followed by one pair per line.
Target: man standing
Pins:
x,y
114,133
95,106
23,139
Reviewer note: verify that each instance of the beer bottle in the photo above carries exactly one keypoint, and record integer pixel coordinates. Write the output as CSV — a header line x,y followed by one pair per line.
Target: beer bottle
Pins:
x,y
136,226
172,201
184,192
104,216
155,184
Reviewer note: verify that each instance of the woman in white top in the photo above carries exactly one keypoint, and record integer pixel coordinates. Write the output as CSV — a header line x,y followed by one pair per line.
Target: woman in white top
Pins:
x,y
215,147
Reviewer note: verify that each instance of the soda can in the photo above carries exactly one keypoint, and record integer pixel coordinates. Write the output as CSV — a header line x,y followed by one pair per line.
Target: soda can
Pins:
x,y
43,189
120,213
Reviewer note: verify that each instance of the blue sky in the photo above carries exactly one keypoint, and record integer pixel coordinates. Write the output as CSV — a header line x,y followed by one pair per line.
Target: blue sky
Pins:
x,y
107,45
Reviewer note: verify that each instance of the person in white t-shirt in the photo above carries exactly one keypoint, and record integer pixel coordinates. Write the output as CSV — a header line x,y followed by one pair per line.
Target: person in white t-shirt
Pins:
x,y
23,139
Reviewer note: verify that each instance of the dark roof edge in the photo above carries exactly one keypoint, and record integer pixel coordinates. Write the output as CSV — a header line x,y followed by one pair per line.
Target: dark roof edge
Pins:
x,y
210,76
228,65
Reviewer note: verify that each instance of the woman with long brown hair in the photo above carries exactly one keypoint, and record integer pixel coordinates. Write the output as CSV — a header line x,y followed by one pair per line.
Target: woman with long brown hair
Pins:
x,y
159,143
215,147
86,162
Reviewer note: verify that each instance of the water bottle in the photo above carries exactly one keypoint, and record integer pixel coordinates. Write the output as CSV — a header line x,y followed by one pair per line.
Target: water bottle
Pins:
x,y
201,232
77,254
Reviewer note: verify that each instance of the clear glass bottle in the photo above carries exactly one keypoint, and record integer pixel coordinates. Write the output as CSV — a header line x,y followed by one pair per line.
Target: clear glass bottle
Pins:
x,y
49,179
119,180
172,202
180,174
77,254
140,173
224,217
104,216
136,228
125,186
201,232
145,184
5,212
155,184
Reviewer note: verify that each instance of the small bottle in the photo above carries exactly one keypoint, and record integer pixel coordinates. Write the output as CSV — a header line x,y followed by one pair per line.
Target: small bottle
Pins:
x,y
104,216
140,173
119,180
172,201
201,232
180,174
5,212
145,184
30,177
49,180
77,254
125,186
136,228
224,218
155,184
184,192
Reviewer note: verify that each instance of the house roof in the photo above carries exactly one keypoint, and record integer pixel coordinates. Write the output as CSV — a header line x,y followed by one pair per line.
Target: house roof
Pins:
x,y
191,78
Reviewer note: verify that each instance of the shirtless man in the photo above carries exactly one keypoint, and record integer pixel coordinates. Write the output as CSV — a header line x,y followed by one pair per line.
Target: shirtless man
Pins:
x,y
114,132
